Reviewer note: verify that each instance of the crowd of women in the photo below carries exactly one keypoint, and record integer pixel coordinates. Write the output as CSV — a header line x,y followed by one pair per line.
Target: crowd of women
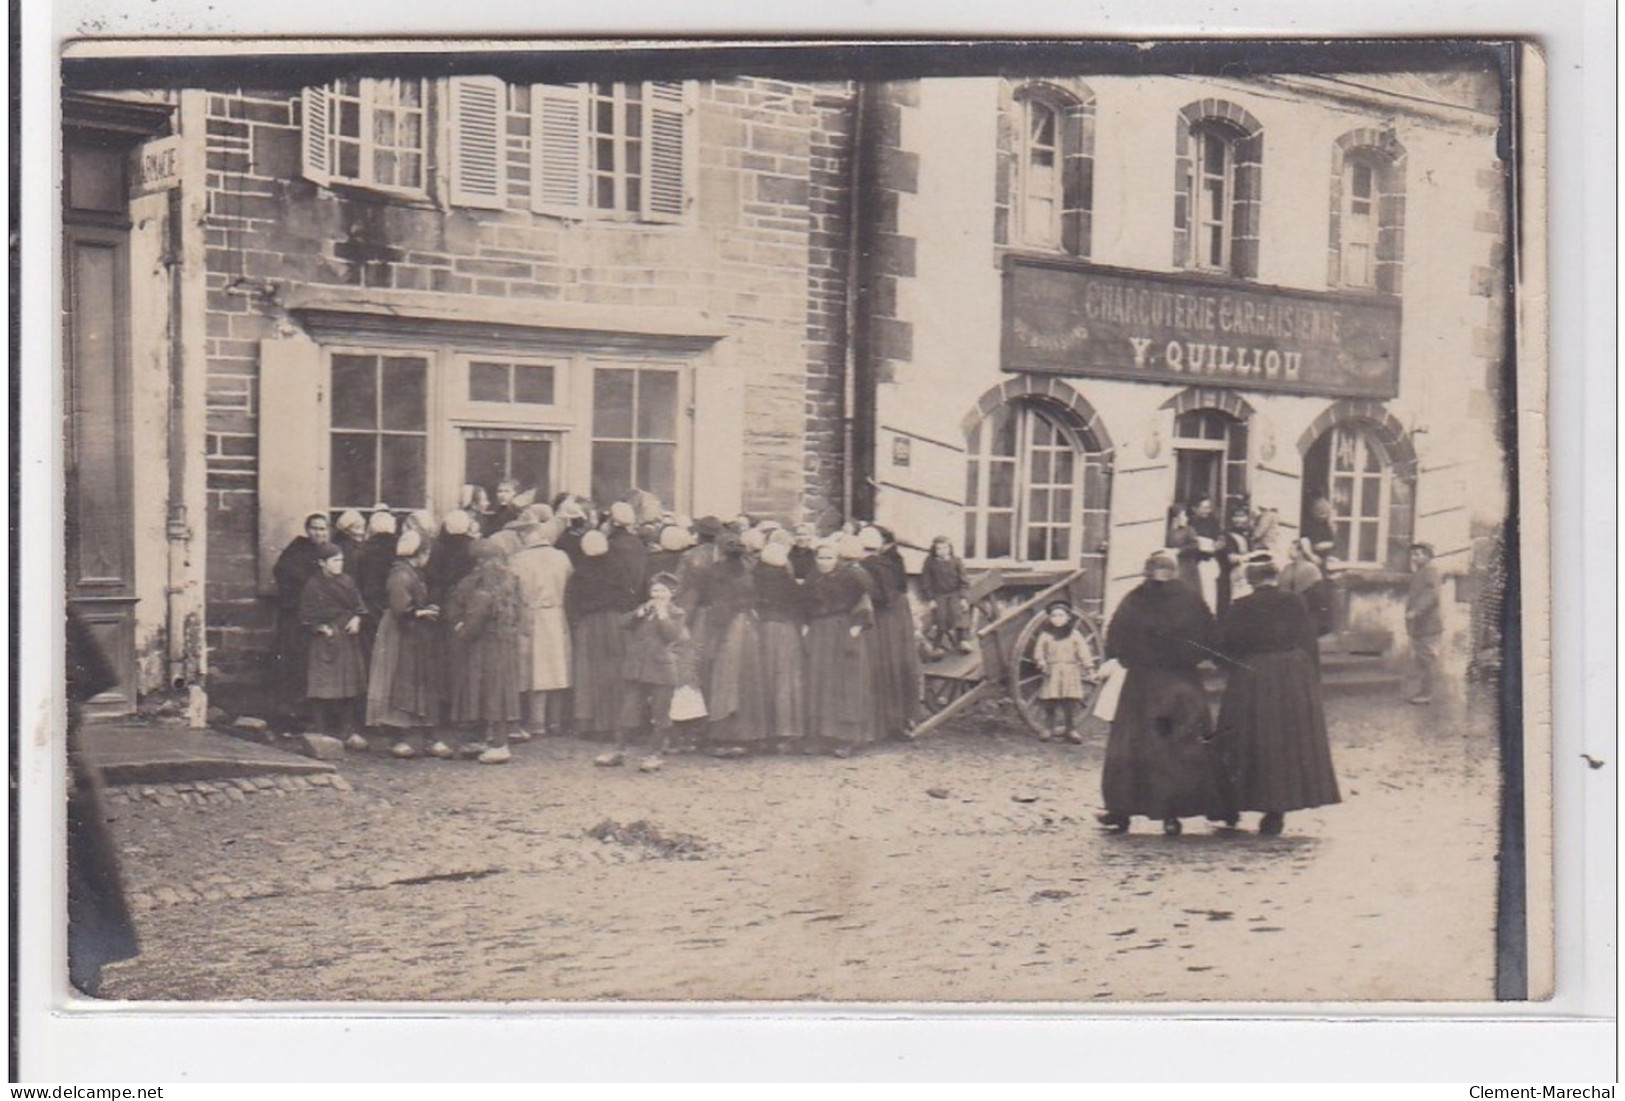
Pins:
x,y
463,634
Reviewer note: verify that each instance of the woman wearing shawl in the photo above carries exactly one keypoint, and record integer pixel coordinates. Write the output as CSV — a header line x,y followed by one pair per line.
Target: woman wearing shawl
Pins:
x,y
331,611
840,664
596,600
297,564
403,688
484,619
897,676
780,614
453,557
1158,762
730,648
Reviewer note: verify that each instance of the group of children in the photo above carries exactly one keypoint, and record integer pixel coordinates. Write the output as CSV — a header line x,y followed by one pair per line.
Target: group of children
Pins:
x,y
463,637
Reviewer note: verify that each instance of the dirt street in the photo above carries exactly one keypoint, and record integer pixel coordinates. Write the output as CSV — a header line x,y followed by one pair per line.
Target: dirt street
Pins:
x,y
964,867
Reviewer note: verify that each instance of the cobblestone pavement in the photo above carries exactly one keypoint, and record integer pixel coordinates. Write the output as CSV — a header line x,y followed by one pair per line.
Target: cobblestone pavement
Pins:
x,y
963,867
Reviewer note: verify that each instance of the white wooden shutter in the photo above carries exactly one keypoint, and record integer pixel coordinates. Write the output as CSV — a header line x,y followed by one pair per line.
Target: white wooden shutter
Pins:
x,y
293,445
317,149
558,149
718,444
667,152
479,134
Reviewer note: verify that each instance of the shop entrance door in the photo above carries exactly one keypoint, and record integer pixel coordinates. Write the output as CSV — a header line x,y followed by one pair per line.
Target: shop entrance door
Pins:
x,y
1210,458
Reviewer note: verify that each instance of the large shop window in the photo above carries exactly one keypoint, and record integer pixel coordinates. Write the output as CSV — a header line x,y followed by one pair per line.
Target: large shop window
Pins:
x,y
634,431
380,431
368,132
1022,488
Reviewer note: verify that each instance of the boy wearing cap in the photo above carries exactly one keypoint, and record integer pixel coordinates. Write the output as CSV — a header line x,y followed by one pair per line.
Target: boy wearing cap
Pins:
x,y
1423,623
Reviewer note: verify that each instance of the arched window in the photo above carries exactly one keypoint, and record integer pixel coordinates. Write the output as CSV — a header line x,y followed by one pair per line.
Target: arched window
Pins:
x,y
1219,150
1046,167
1367,212
1023,486
1351,468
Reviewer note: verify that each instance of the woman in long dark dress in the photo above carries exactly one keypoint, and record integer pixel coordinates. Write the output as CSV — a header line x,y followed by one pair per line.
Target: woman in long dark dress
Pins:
x,y
403,686
596,599
1271,733
780,611
840,662
897,680
485,620
1158,762
331,610
730,647
297,564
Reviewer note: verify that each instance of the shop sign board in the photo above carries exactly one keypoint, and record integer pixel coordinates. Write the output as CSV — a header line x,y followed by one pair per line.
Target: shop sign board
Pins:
x,y
1068,317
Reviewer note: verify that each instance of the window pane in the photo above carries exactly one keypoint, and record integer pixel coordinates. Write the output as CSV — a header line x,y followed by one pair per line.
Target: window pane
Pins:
x,y
1004,432
411,93
999,526
411,170
972,470
488,382
1368,543
1213,152
383,128
354,466
1340,540
403,470
604,198
973,442
634,120
612,403
530,463
1361,181
1060,505
349,118
634,194
1001,484
969,550
1041,467
1215,248
384,169
1042,124
484,463
1038,506
1063,468
355,392
1342,496
533,385
349,166
611,471
1037,544
1060,544
657,470
657,405
1370,496
1043,432
406,394
411,131
1373,455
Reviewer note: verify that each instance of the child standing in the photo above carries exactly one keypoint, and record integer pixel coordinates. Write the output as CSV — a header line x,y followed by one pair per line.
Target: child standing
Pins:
x,y
330,608
943,582
1064,656
656,651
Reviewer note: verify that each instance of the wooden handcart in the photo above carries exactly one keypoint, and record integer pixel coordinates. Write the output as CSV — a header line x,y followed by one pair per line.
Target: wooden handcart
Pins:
x,y
1003,660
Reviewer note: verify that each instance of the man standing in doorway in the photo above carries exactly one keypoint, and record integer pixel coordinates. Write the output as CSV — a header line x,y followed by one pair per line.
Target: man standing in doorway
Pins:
x,y
1423,622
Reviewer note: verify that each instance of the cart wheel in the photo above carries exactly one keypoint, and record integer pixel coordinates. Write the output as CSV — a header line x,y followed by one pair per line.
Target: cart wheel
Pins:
x,y
1027,681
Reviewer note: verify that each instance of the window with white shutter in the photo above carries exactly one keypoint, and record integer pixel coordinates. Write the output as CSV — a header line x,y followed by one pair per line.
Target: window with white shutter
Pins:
x,y
371,133
478,138
613,151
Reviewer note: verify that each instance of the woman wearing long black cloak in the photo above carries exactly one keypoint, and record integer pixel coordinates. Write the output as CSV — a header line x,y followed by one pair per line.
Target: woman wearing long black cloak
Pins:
x,y
299,561
840,663
1158,762
1271,732
485,617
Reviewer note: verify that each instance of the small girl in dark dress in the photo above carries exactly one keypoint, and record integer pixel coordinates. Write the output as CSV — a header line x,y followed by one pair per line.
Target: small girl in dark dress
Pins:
x,y
330,608
944,583
656,662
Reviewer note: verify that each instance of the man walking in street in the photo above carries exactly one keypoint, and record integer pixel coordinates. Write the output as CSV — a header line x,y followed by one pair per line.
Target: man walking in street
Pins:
x,y
1423,623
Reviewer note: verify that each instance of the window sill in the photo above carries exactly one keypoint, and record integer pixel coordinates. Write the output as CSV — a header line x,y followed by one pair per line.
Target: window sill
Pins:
x,y
355,189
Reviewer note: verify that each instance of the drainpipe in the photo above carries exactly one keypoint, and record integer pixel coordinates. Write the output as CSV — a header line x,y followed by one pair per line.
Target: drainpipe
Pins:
x,y
856,324
177,529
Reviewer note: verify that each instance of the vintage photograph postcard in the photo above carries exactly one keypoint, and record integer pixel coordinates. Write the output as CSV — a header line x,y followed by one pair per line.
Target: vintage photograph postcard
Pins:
x,y
950,523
